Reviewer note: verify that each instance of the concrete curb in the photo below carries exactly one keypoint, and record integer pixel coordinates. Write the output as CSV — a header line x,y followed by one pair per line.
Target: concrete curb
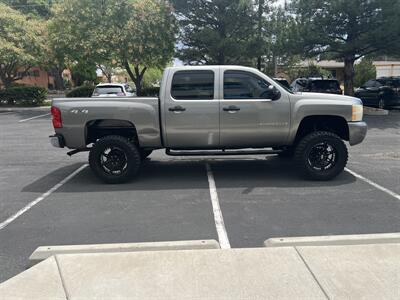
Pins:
x,y
44,252
329,240
371,111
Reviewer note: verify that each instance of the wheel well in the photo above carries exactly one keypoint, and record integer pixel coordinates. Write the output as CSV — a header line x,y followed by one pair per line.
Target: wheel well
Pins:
x,y
335,124
97,129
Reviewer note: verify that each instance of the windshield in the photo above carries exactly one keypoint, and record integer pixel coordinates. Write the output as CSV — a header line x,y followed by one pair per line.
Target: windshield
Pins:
x,y
108,90
325,85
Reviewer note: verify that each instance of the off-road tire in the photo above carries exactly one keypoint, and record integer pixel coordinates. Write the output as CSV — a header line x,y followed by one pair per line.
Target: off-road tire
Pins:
x,y
145,153
306,144
131,151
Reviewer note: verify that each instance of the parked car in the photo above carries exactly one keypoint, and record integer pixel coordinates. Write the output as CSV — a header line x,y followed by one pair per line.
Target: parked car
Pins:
x,y
283,82
113,90
382,92
317,85
211,110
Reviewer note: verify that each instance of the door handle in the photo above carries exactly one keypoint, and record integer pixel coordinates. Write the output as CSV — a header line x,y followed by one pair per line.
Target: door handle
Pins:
x,y
231,108
177,109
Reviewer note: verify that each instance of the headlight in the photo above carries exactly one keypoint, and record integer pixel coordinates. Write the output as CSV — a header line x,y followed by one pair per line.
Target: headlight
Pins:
x,y
357,112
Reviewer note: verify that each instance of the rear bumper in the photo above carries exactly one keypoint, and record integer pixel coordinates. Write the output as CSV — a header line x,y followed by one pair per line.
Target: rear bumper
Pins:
x,y
357,132
57,141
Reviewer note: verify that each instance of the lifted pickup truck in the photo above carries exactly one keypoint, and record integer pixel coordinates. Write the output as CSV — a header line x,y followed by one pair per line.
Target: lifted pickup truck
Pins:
x,y
211,110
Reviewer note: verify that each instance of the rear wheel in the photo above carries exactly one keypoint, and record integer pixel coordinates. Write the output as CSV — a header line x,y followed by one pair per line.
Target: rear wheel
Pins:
x,y
321,155
114,159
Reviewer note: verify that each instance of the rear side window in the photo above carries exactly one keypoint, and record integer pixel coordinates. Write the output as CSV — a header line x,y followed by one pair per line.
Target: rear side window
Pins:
x,y
193,85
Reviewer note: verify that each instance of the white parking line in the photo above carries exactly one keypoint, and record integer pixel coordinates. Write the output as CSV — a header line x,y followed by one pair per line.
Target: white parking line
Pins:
x,y
370,182
218,219
42,197
36,117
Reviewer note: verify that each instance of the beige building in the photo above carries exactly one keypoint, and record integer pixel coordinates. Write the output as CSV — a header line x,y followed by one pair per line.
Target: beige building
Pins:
x,y
387,68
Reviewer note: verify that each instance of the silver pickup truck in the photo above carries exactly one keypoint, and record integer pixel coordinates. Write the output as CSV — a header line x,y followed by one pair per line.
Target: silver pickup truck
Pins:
x,y
211,110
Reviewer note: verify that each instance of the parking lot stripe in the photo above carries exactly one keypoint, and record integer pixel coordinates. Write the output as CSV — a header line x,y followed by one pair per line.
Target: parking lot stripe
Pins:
x,y
36,117
219,220
370,182
40,198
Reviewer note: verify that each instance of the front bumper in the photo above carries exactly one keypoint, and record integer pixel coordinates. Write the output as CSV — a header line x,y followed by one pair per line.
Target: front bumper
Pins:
x,y
357,132
57,141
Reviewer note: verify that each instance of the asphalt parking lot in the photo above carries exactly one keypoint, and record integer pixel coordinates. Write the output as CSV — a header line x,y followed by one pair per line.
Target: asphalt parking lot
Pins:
x,y
259,197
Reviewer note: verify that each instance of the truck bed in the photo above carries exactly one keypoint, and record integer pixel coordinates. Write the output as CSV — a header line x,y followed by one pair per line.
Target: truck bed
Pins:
x,y
78,113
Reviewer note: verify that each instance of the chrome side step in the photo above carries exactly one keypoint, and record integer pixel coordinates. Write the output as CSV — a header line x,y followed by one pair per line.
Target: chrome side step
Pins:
x,y
172,152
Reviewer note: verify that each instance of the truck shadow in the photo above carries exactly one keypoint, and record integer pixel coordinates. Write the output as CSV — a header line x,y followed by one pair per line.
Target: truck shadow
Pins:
x,y
190,174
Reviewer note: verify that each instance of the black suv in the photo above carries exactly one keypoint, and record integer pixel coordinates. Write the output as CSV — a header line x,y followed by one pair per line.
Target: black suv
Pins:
x,y
317,85
381,92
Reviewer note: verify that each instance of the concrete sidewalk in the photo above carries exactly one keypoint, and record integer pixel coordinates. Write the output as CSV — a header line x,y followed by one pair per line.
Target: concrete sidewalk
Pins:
x,y
297,272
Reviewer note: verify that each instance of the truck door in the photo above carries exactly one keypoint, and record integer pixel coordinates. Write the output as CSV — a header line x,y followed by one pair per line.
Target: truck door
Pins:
x,y
191,109
248,115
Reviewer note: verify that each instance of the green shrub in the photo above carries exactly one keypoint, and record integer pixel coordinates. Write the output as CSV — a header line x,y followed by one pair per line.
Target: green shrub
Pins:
x,y
23,95
81,91
150,91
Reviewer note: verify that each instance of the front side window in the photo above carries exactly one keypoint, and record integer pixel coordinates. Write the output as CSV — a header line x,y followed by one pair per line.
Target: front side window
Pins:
x,y
245,85
193,85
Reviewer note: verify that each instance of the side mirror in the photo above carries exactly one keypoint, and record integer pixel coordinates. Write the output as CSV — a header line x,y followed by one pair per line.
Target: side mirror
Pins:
x,y
274,92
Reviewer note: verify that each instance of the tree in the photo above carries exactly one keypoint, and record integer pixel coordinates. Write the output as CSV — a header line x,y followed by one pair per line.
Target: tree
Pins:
x,y
347,29
278,39
364,71
217,31
82,73
133,34
34,8
21,44
310,70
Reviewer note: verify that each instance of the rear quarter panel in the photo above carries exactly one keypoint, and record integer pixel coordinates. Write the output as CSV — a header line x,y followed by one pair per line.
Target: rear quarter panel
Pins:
x,y
143,113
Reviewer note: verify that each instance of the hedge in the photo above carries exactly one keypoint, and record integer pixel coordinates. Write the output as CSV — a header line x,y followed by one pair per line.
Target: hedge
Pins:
x,y
21,95
81,91
150,91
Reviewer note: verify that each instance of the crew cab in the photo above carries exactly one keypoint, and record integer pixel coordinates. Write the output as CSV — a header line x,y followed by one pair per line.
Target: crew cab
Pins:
x,y
211,110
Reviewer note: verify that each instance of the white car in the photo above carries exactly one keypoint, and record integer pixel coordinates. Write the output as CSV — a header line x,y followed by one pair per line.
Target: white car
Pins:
x,y
113,90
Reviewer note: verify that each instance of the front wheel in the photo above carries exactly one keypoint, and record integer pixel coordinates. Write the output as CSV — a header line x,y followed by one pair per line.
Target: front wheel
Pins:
x,y
114,159
321,155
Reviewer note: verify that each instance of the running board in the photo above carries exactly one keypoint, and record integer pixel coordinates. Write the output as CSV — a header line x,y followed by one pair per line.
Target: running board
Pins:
x,y
172,152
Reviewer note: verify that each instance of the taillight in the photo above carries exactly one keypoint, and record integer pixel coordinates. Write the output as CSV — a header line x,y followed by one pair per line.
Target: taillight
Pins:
x,y
56,114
